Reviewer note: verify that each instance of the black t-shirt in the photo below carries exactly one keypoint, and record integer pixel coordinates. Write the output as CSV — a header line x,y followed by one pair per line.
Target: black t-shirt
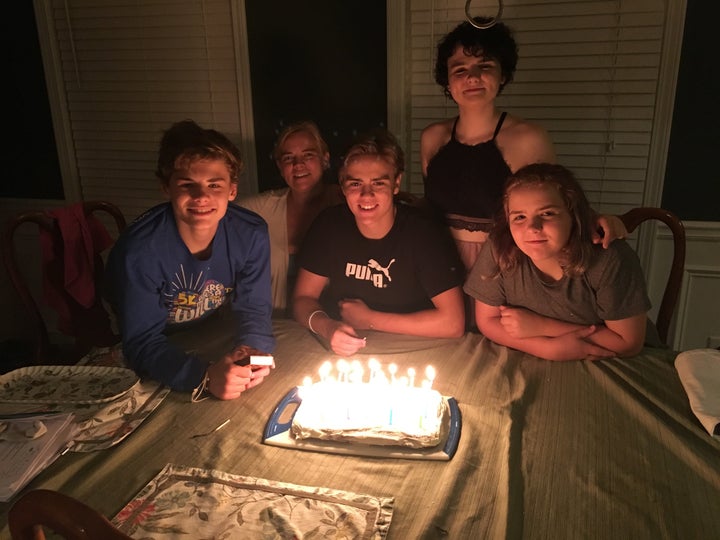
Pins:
x,y
399,273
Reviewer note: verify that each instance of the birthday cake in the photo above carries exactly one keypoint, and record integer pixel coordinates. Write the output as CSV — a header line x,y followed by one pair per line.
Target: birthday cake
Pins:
x,y
376,414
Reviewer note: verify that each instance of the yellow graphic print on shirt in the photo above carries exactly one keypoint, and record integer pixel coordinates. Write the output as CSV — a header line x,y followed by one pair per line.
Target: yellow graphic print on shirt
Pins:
x,y
190,299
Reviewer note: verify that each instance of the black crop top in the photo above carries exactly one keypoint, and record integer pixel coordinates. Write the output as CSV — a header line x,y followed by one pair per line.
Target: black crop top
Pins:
x,y
467,180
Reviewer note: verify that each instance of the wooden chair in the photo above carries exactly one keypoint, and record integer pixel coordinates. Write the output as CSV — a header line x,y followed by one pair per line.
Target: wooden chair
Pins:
x,y
632,219
89,335
64,515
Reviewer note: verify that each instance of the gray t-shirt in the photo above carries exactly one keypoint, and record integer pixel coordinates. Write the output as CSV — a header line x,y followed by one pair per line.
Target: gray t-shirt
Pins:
x,y
612,288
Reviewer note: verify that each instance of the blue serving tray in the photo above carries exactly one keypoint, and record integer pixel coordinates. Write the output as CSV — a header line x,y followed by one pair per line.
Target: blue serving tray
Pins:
x,y
278,433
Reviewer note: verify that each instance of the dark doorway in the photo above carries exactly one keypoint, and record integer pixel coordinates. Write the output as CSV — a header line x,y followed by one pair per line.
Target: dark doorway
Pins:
x,y
29,154
692,177
321,60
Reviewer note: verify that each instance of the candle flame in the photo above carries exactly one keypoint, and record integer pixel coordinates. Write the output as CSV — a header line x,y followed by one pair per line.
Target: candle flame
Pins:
x,y
353,372
325,370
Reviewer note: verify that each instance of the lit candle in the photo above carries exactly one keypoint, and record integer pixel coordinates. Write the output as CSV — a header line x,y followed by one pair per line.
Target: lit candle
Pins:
x,y
343,368
374,366
430,374
304,390
411,376
392,368
356,371
325,370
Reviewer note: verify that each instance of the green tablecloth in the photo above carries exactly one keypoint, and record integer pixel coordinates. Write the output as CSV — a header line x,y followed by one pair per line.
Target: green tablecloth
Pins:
x,y
606,449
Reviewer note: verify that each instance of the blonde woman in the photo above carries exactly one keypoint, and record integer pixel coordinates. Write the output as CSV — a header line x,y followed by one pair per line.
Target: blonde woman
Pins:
x,y
302,157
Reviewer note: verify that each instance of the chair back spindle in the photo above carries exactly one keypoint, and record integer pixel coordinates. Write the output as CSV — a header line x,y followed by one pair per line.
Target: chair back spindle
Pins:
x,y
632,219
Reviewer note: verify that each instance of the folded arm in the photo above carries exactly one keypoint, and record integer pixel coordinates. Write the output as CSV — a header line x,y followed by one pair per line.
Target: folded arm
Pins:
x,y
625,336
570,345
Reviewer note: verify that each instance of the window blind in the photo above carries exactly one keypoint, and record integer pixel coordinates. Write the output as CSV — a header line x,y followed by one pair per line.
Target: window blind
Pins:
x,y
130,69
588,72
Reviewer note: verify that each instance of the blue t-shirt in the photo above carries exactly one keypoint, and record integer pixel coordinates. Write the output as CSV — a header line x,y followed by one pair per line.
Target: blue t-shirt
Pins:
x,y
156,284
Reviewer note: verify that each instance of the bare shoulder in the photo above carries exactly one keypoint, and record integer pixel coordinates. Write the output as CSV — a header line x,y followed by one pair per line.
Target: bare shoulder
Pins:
x,y
523,142
520,127
437,134
434,137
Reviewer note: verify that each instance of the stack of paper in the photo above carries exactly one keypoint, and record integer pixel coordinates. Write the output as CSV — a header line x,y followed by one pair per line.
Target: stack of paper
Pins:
x,y
28,444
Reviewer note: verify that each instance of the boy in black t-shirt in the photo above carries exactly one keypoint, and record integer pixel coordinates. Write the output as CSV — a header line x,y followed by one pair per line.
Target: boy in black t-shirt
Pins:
x,y
386,267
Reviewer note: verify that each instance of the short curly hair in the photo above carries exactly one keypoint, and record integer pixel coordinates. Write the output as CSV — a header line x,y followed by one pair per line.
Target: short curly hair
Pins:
x,y
496,42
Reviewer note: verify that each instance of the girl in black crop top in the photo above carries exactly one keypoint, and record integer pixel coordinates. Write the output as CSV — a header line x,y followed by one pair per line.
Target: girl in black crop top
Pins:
x,y
466,159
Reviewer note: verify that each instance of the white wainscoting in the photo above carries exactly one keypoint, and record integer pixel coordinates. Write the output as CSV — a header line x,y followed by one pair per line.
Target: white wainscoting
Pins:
x,y
697,322
697,315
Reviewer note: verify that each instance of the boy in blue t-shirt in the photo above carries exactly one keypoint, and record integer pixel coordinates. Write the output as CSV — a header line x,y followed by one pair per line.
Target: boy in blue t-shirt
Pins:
x,y
176,266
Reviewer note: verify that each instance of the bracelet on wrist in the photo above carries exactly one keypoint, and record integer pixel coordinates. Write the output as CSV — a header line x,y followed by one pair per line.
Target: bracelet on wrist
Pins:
x,y
309,321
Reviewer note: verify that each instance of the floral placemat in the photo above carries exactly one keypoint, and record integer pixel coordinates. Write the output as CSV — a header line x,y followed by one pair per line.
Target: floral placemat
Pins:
x,y
114,422
186,502
102,424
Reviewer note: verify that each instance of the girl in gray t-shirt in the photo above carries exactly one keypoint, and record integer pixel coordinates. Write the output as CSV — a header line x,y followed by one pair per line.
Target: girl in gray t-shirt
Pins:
x,y
541,285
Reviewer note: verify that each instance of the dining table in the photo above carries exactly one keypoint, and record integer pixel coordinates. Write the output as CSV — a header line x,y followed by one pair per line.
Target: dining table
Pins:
x,y
580,449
